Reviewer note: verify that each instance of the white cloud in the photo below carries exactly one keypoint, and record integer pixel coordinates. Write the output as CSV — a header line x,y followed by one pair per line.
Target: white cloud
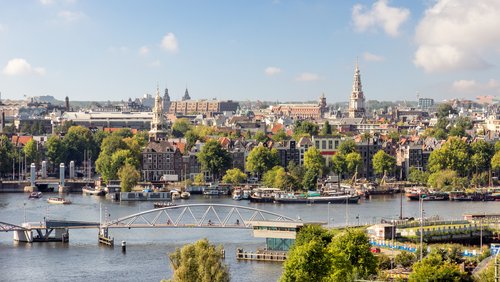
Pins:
x,y
380,15
46,2
71,16
372,57
144,50
155,63
169,43
19,66
492,87
307,76
270,71
455,35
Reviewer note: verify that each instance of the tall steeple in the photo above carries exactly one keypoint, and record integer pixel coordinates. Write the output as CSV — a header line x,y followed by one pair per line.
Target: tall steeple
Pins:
x,y
357,100
186,95
166,101
158,123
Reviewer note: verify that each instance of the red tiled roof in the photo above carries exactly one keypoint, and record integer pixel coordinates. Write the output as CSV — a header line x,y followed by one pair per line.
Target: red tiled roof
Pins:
x,y
21,140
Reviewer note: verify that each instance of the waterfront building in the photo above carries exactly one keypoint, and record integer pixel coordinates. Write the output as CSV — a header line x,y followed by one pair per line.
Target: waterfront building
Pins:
x,y
327,145
135,120
203,107
161,158
357,100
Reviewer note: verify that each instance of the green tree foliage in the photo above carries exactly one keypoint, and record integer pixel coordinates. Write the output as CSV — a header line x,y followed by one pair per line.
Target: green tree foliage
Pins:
x,y
326,129
107,164
339,166
305,128
142,138
346,147
495,161
405,259
199,262
307,262
31,151
434,269
123,133
353,162
353,245
497,146
180,127
296,173
418,176
234,176
276,177
6,154
214,159
261,159
261,137
444,110
191,138
487,274
482,152
129,176
199,178
56,150
313,232
447,180
77,140
310,180
454,155
383,163
280,136
313,160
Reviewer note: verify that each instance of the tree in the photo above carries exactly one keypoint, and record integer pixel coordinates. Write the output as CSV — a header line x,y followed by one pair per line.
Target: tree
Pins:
x,y
326,129
444,110
307,262
31,151
261,137
383,162
481,155
261,159
339,166
56,150
454,155
180,127
129,176
495,161
405,259
234,176
199,262
6,154
280,136
313,160
77,140
296,172
310,180
353,162
276,177
346,147
433,269
418,176
354,246
313,232
213,158
191,138
303,127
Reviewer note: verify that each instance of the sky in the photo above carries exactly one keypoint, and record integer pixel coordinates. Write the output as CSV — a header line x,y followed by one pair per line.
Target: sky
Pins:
x,y
268,50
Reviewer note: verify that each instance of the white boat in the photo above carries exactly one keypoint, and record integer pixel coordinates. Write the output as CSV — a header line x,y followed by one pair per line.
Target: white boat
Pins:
x,y
237,194
97,191
35,195
211,190
185,195
175,194
58,201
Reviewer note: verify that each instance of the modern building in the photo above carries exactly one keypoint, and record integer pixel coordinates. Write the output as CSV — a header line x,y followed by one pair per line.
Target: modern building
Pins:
x,y
288,152
357,100
425,103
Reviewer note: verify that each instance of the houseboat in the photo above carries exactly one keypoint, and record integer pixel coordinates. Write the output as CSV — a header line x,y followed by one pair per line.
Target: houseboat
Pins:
x,y
264,195
35,195
94,191
313,197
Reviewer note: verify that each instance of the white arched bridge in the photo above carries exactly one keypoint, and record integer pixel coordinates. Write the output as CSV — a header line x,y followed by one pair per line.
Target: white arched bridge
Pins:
x,y
196,216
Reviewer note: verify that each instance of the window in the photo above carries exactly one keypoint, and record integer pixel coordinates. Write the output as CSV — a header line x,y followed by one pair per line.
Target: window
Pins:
x,y
330,144
323,144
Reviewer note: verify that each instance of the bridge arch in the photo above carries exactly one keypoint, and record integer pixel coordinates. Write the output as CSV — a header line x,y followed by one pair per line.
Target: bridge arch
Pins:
x,y
196,216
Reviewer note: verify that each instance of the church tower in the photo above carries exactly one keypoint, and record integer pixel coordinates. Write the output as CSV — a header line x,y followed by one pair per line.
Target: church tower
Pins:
x,y
357,100
166,101
158,123
186,95
322,105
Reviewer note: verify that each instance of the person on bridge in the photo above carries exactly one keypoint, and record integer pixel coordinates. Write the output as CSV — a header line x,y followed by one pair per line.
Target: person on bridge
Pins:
x,y
209,222
237,222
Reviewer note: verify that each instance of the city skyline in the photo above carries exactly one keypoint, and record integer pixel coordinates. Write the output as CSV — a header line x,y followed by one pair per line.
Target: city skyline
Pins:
x,y
266,50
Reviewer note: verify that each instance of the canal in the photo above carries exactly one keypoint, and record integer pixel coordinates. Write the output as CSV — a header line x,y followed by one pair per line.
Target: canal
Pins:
x,y
146,258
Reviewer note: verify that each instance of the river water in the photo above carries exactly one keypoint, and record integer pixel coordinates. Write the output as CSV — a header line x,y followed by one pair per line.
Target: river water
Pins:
x,y
146,259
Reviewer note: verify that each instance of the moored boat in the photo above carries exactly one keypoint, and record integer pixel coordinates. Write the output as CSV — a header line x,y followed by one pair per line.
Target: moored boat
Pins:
x,y
174,194
237,194
95,191
159,205
35,195
57,200
185,195
264,195
321,199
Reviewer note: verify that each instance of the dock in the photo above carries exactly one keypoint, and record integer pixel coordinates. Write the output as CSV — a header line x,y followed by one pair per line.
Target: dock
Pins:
x,y
261,255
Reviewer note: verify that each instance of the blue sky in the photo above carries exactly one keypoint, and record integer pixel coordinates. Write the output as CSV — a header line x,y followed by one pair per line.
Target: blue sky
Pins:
x,y
274,50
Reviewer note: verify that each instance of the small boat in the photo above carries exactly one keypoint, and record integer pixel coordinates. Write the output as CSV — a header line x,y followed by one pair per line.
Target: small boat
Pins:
x,y
212,190
58,201
185,195
237,194
35,195
159,205
264,195
97,191
175,194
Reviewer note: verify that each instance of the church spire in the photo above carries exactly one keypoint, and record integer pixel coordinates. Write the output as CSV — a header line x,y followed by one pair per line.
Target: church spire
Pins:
x,y
186,95
357,100
158,124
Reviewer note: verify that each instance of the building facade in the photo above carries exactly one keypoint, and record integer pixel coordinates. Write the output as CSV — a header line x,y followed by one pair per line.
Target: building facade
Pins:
x,y
205,107
357,100
160,159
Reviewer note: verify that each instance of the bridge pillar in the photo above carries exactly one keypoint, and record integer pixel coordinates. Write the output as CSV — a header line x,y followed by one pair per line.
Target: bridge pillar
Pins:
x,y
44,169
104,237
72,169
61,177
32,174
